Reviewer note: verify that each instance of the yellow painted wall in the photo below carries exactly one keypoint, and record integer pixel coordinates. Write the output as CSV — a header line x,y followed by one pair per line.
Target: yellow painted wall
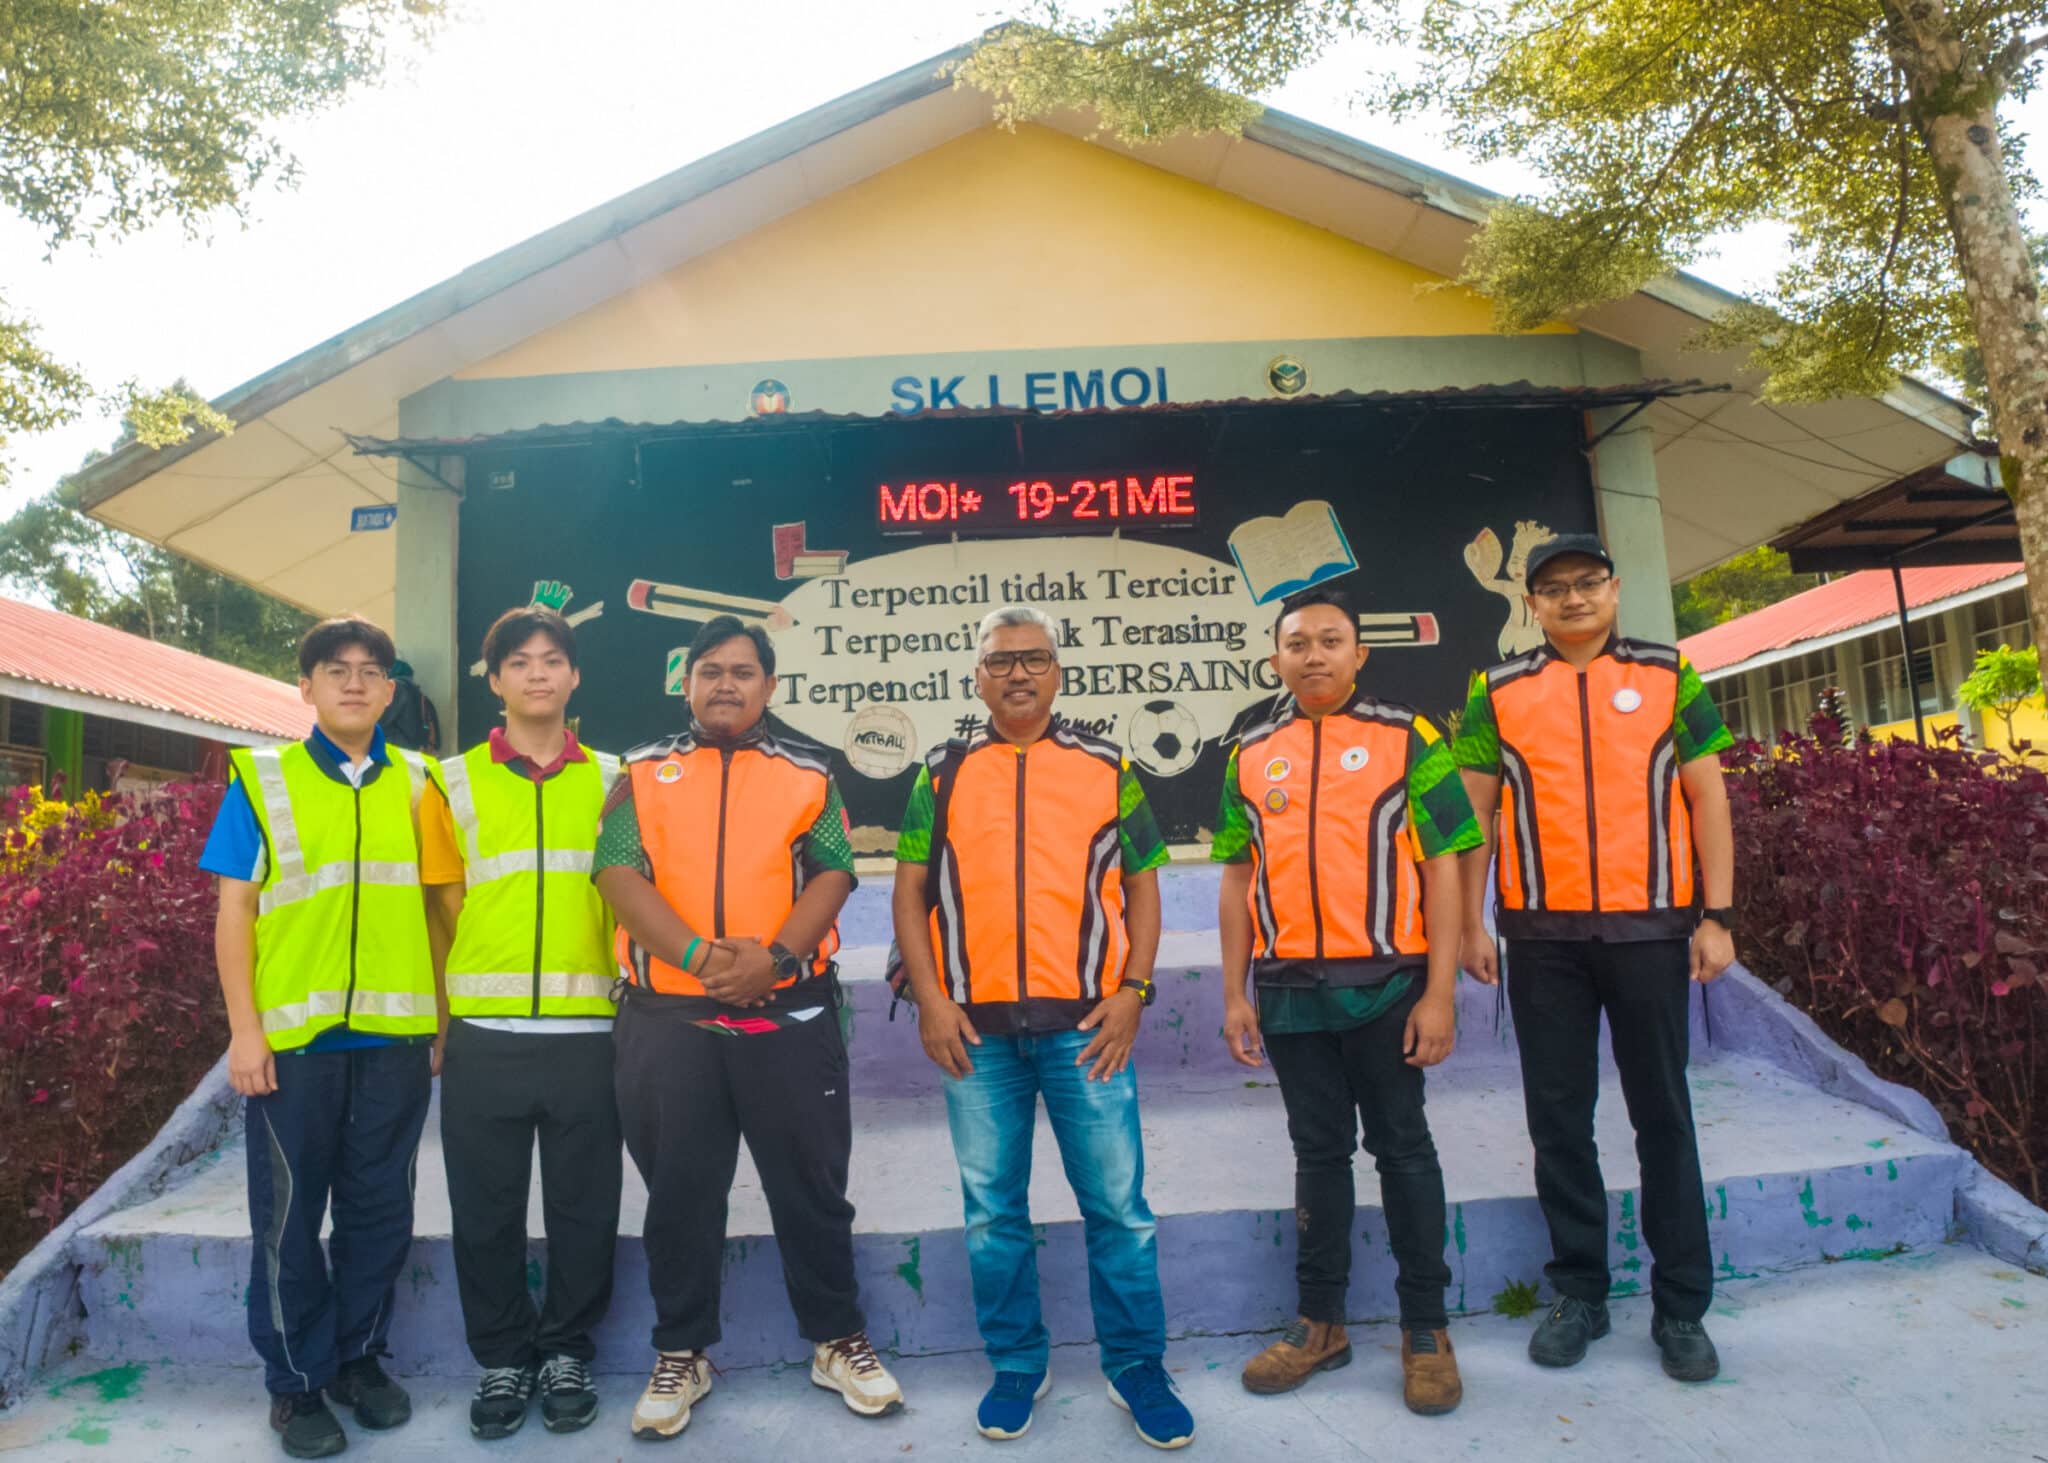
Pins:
x,y
1902,731
2029,724
1004,241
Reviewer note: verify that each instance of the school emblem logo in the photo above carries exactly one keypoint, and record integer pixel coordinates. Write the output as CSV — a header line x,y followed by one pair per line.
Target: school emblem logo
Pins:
x,y
1287,376
1276,800
1277,769
1354,758
1627,699
770,398
669,772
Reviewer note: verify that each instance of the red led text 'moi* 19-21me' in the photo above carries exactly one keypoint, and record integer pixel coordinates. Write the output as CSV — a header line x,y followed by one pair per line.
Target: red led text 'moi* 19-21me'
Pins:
x,y
1037,504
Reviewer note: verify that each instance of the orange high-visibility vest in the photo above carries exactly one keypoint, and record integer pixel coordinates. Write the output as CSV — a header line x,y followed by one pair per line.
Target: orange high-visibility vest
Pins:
x,y
1334,880
724,830
1027,877
1595,834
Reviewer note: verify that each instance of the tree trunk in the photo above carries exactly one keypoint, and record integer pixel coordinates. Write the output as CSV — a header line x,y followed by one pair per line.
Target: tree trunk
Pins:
x,y
1952,100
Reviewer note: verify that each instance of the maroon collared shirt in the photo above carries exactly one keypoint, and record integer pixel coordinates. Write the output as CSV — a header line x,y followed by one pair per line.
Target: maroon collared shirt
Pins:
x,y
502,751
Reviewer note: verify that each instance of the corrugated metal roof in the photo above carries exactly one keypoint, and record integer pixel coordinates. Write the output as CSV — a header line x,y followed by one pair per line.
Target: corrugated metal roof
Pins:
x,y
1518,394
1855,600
69,654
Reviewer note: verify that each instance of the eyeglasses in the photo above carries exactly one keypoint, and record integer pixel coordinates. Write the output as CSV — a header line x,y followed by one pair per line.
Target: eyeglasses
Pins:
x,y
1555,591
1002,662
338,674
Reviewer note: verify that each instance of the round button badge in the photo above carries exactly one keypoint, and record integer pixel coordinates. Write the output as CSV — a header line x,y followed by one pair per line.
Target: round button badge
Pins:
x,y
1277,769
1354,758
1627,699
1276,800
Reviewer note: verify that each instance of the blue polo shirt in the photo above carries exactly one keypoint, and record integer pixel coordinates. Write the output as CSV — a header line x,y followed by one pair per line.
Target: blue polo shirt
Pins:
x,y
236,849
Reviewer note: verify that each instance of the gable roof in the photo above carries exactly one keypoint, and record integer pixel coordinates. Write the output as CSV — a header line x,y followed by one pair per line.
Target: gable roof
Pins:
x,y
61,660
267,505
1839,610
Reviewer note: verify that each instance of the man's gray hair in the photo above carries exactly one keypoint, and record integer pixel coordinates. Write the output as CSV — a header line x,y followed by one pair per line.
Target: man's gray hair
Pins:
x,y
995,620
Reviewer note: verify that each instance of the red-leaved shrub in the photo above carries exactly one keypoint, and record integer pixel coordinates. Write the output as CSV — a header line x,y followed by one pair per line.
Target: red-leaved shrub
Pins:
x,y
1899,894
109,1007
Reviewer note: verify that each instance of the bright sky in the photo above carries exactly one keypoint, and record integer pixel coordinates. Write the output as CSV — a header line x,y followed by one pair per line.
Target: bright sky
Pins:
x,y
525,113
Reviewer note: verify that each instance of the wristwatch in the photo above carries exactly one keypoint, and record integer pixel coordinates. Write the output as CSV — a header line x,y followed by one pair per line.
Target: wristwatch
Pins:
x,y
787,965
1724,917
1147,992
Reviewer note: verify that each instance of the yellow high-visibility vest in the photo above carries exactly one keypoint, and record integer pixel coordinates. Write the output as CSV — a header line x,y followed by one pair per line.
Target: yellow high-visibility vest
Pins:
x,y
535,936
341,928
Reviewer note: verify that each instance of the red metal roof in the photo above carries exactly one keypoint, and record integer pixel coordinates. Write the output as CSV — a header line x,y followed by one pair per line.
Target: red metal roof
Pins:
x,y
1863,598
70,654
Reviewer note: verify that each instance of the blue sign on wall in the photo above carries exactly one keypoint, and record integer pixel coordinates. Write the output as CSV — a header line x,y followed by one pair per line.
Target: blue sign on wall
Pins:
x,y
365,520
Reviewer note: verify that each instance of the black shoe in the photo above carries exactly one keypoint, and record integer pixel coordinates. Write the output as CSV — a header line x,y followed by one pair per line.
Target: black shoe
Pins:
x,y
1689,1354
567,1399
309,1430
499,1407
1567,1331
378,1401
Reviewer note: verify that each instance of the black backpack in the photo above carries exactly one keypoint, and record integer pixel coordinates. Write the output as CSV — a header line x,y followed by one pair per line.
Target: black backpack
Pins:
x,y
409,721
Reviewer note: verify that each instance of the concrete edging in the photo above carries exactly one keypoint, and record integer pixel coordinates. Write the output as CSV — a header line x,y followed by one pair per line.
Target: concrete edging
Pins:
x,y
39,1297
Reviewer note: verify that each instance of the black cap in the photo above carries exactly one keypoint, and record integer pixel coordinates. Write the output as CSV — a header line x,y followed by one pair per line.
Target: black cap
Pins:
x,y
1587,544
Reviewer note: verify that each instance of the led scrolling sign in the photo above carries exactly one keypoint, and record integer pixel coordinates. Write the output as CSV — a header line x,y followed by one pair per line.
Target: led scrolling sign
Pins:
x,y
1060,503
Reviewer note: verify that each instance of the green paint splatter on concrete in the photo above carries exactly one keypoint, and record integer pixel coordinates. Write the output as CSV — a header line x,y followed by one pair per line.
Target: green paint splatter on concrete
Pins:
x,y
1727,1271
195,1257
1868,1171
533,1276
1632,1263
1192,975
1853,1223
1871,1254
1806,1209
1877,1143
2015,1302
1626,1235
1626,1287
1037,1236
92,1430
1891,1171
115,1384
1458,1226
909,1271
1721,1192
1175,1020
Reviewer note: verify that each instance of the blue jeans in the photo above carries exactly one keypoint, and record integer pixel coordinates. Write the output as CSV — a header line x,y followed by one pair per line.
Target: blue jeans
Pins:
x,y
992,1113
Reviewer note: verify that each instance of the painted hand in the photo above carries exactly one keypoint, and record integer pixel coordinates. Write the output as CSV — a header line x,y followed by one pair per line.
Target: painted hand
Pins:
x,y
552,594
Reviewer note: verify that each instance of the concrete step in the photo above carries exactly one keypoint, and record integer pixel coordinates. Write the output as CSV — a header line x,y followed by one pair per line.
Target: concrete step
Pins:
x,y
1933,1355
1795,1177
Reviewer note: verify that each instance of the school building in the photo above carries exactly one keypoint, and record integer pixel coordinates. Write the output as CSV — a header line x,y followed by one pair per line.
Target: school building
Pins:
x,y
1768,669
868,374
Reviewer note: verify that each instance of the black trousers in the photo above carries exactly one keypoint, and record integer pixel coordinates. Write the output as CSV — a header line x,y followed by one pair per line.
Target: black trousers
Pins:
x,y
1557,990
1334,1083
499,1091
344,1127
686,1098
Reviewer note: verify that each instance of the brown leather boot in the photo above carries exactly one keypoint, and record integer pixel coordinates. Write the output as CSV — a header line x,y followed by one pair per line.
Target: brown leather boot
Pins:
x,y
1429,1373
1304,1348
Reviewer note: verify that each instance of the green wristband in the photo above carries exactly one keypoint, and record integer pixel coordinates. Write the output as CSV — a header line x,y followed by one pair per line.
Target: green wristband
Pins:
x,y
690,952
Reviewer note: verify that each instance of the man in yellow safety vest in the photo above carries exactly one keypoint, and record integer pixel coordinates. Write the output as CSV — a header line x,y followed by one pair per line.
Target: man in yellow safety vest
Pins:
x,y
328,977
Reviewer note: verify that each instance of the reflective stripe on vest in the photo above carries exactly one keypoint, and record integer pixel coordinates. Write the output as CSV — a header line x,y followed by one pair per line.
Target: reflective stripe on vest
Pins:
x,y
1333,867
534,938
341,934
1029,881
1595,833
724,833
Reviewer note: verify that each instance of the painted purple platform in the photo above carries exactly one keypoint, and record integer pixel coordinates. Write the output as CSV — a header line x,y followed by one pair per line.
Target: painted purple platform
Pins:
x,y
1796,1176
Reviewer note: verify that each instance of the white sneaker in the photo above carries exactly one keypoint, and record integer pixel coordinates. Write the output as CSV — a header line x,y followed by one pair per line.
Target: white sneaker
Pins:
x,y
850,1367
681,1380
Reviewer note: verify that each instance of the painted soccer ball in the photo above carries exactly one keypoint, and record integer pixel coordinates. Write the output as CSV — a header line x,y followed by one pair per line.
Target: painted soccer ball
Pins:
x,y
1165,738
